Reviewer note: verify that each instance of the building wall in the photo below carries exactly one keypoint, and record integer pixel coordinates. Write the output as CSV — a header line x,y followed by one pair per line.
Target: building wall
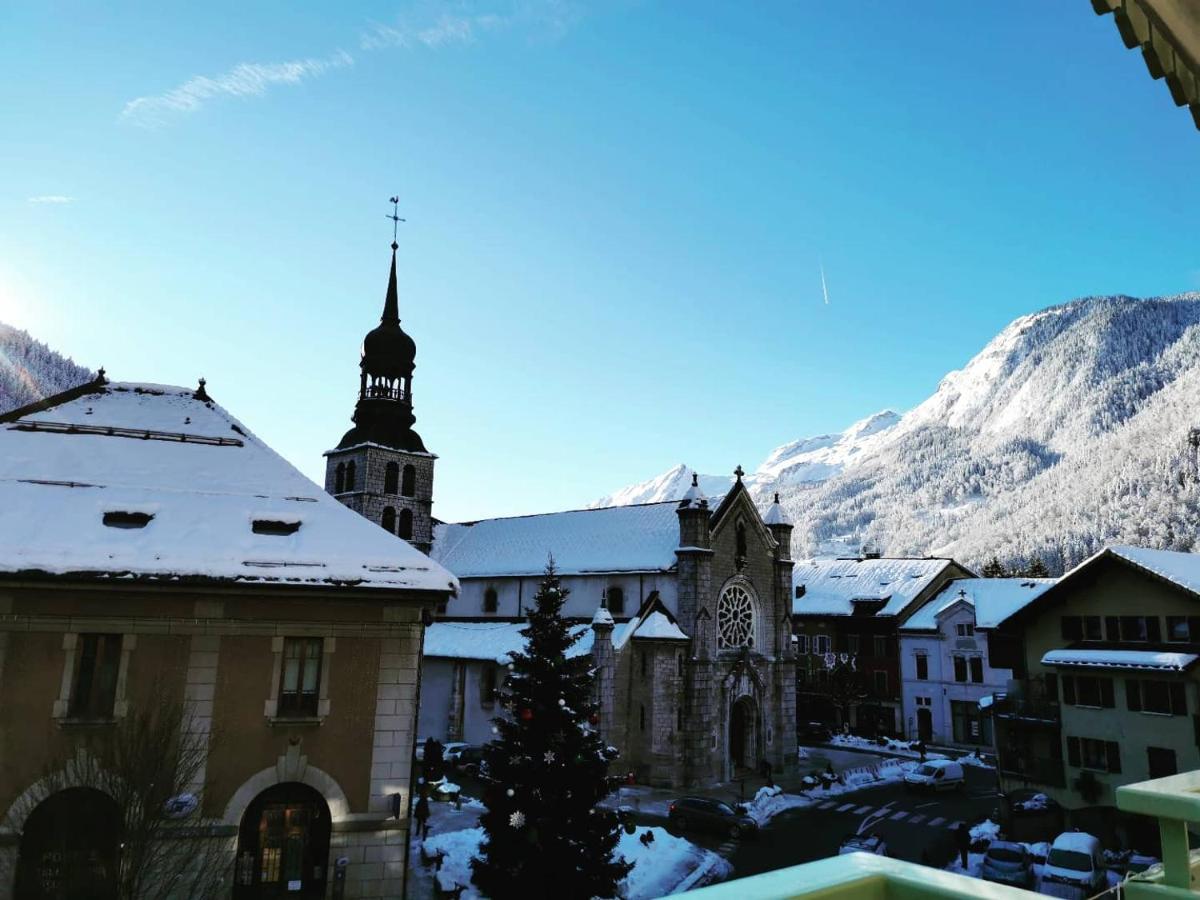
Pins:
x,y
1113,589
369,499
940,687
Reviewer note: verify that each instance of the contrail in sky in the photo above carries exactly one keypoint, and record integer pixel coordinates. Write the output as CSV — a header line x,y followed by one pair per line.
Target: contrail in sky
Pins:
x,y
824,290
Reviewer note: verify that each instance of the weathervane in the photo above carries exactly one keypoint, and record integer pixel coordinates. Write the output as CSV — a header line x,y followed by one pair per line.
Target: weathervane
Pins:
x,y
395,217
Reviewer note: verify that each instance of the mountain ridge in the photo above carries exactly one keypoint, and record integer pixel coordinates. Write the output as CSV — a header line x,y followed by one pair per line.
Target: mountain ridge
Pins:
x,y
31,371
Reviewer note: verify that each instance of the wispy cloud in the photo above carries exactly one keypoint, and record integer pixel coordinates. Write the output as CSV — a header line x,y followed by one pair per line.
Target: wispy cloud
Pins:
x,y
50,198
445,29
243,80
436,24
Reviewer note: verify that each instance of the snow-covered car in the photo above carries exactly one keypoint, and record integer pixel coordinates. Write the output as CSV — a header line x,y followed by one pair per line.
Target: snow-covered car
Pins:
x,y
706,814
1006,862
863,843
451,751
1074,867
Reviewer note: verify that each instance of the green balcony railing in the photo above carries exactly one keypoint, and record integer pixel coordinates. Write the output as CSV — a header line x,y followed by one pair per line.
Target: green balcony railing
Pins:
x,y
1175,802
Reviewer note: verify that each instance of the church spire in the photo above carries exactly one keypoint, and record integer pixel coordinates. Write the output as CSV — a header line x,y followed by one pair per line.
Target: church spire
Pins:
x,y
391,305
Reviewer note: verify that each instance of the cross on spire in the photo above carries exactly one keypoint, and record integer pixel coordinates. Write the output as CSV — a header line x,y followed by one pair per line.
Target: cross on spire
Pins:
x,y
739,472
396,220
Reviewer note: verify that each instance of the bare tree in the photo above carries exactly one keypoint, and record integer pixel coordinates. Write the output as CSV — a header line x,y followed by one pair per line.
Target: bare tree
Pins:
x,y
151,763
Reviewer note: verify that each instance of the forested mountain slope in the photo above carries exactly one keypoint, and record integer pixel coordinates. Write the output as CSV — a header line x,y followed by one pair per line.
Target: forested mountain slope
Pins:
x,y
29,370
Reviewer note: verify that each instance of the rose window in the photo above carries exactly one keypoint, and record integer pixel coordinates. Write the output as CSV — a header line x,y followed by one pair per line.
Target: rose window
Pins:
x,y
735,618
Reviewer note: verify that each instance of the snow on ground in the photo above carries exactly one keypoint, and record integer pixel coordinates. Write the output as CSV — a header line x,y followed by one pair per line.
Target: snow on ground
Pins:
x,y
987,830
771,801
668,864
901,748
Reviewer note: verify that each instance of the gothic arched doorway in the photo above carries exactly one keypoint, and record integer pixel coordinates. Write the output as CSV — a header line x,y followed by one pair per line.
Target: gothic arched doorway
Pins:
x,y
743,734
70,848
924,724
283,844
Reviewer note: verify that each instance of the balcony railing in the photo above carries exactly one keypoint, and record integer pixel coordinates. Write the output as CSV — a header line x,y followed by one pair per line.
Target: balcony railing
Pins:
x,y
1038,771
1027,710
1174,801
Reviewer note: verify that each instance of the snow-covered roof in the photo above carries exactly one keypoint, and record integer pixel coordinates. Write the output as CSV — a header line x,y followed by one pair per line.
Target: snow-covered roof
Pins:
x,y
492,641
776,515
994,599
833,586
602,616
657,626
1162,661
182,483
1182,569
614,539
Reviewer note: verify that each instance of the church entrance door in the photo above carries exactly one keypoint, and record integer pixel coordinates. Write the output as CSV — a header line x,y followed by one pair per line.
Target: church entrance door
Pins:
x,y
743,734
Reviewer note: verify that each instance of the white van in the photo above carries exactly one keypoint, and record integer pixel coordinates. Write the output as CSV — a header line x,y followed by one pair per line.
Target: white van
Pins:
x,y
936,775
1074,867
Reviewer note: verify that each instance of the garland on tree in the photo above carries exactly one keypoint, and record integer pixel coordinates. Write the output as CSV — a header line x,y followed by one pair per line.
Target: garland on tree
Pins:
x,y
545,836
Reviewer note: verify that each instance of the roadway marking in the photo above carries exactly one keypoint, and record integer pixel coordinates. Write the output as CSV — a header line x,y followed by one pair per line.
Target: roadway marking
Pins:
x,y
924,805
952,825
845,806
917,819
896,817
863,810
934,823
882,813
827,804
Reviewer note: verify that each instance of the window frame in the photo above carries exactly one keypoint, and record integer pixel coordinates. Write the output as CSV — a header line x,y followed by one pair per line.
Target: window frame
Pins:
x,y
922,666
391,477
408,480
615,602
975,663
404,524
271,706
97,652
299,703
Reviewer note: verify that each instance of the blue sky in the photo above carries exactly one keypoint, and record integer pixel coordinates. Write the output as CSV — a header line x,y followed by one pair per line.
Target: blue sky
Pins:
x,y
617,213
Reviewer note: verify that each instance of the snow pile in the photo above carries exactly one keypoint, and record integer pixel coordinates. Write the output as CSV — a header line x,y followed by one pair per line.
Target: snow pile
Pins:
x,y
771,801
1123,659
902,748
973,759
668,864
987,830
665,865
1037,801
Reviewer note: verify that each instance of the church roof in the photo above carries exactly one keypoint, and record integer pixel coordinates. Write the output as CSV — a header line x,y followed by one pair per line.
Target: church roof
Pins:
x,y
639,538
491,641
881,587
143,481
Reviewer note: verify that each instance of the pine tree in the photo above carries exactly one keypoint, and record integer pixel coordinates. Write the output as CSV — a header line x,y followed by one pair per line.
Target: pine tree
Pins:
x,y
993,569
545,836
1036,569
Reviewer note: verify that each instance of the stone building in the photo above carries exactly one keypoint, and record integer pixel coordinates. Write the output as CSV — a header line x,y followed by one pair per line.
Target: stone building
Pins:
x,y
380,468
152,547
683,611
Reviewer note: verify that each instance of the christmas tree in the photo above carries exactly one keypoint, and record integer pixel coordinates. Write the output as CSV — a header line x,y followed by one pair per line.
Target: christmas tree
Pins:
x,y
548,770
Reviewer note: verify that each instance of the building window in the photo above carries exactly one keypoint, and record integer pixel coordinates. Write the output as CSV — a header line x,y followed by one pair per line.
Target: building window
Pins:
x,y
922,667
300,680
1088,690
351,475
853,644
802,644
976,669
94,691
968,725
1140,628
408,483
1167,698
389,520
881,682
1183,628
1087,753
339,478
391,478
490,602
820,644
965,629
487,685
881,646
616,600
1161,761
406,524
735,618
960,668
1081,628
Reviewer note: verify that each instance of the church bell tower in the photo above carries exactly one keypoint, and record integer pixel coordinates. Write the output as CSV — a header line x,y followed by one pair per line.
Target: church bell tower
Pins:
x,y
380,468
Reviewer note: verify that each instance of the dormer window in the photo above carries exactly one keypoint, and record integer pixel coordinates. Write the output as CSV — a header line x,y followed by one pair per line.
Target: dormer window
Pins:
x,y
120,519
274,527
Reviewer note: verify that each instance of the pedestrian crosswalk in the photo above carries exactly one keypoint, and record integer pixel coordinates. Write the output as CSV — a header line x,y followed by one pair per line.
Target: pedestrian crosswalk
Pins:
x,y
907,816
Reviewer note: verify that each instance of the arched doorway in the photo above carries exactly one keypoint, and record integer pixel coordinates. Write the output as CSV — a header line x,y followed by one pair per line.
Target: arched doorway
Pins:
x,y
283,844
924,724
70,848
743,734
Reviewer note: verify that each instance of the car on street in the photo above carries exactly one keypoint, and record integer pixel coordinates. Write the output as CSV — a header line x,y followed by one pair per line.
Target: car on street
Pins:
x,y
814,732
1007,862
1074,867
937,775
469,759
863,843
706,814
451,751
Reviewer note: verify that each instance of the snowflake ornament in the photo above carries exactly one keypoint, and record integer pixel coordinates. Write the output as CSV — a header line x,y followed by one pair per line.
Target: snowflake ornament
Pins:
x,y
515,760
549,757
562,702
510,792
517,819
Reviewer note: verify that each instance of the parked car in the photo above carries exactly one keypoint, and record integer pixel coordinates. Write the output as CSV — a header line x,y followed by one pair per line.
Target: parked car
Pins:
x,y
814,732
937,775
1138,863
704,814
1074,867
863,843
469,758
1007,863
1029,815
451,751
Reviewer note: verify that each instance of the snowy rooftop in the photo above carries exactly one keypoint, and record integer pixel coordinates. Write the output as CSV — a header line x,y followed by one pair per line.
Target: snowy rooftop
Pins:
x,y
614,539
492,641
657,626
188,493
1161,661
1181,568
834,586
994,599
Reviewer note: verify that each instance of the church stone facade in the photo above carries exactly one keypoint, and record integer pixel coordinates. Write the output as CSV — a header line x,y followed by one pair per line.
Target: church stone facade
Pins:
x,y
683,609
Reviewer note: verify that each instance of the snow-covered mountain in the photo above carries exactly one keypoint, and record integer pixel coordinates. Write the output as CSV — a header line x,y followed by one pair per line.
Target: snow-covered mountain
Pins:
x,y
29,370
670,485
1069,430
